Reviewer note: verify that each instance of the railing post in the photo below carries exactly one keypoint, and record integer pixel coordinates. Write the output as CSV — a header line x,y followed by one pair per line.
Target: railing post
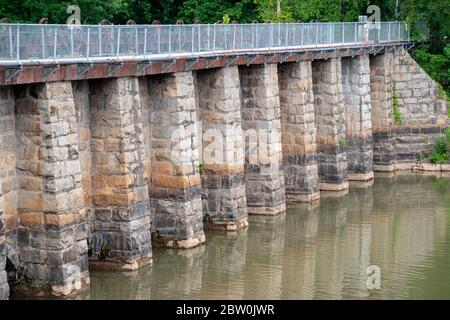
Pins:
x,y
18,43
271,35
279,34
136,41
242,38
317,34
389,32
379,31
257,37
199,39
234,37
145,42
225,37
118,42
287,35
193,39
303,34
170,40
343,33
43,42
295,37
11,51
99,41
88,42
356,32
179,37
209,37
71,42
55,42
409,30
214,38
331,33
159,38
112,38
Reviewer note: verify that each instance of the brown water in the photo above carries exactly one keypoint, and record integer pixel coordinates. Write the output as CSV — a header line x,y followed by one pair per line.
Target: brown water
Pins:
x,y
400,223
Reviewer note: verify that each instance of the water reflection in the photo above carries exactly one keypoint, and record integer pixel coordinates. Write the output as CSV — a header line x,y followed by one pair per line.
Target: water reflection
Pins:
x,y
319,251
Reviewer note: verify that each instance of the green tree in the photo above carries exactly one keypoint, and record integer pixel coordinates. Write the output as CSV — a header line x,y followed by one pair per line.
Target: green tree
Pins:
x,y
211,11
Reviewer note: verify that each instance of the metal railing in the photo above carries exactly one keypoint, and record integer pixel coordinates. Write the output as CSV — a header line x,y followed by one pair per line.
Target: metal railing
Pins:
x,y
32,43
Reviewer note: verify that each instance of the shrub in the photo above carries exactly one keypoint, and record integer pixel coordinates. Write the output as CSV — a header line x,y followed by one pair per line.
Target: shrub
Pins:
x,y
441,152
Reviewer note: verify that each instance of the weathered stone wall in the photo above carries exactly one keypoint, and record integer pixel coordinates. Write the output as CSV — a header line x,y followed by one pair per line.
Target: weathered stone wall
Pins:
x,y
8,185
52,231
4,287
358,123
264,180
381,67
223,186
145,119
121,223
175,184
81,100
330,124
423,111
163,157
298,132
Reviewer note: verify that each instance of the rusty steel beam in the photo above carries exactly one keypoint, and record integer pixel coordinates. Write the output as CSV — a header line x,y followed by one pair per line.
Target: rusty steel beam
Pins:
x,y
25,74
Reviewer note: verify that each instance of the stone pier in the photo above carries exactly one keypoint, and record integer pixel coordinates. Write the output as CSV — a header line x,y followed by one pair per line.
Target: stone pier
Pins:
x,y
358,124
264,180
175,183
121,212
330,124
8,213
222,158
52,228
4,287
381,68
298,132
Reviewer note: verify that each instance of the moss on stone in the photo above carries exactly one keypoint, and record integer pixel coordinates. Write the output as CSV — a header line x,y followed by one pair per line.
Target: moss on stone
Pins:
x,y
397,115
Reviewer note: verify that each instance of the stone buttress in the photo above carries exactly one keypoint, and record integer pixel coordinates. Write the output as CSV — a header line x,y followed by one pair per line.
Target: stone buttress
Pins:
x,y
384,157
358,124
51,232
330,124
222,156
175,184
120,225
422,108
264,180
298,131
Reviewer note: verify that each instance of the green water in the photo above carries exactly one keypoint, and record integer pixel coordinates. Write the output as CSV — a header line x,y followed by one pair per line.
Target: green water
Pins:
x,y
400,223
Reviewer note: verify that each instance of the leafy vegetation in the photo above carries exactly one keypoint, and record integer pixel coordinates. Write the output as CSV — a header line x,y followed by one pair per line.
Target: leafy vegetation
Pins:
x,y
441,152
343,143
395,105
201,167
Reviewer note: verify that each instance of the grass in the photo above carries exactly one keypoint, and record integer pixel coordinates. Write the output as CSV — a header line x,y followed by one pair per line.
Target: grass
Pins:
x,y
201,167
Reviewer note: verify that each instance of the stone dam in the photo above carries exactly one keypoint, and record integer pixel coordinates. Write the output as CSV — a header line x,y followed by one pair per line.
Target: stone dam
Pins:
x,y
100,163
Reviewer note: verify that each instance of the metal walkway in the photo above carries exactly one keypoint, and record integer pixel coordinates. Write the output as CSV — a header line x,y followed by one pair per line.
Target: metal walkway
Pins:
x,y
40,44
